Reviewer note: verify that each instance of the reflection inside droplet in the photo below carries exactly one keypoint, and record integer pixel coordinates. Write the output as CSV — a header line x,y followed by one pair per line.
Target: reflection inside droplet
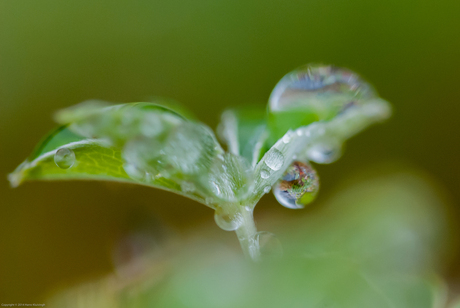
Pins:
x,y
269,246
64,158
298,186
228,222
325,152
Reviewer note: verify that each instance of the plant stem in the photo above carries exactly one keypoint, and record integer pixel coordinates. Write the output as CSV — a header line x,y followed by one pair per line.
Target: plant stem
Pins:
x,y
246,234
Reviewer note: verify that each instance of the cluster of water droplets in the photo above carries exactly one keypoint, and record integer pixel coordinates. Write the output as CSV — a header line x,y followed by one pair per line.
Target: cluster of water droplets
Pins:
x,y
298,186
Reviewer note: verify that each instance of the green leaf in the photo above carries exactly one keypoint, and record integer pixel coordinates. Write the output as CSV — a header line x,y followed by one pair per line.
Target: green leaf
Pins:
x,y
244,130
140,143
119,123
314,93
95,160
296,144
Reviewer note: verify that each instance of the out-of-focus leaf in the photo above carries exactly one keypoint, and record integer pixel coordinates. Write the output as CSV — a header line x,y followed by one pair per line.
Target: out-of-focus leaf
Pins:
x,y
374,244
244,130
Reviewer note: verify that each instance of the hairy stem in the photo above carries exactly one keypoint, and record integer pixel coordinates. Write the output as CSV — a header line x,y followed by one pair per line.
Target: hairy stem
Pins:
x,y
246,234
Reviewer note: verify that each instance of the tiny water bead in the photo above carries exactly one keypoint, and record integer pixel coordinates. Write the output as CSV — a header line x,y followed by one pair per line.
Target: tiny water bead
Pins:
x,y
264,174
274,159
267,189
269,246
298,186
64,158
228,222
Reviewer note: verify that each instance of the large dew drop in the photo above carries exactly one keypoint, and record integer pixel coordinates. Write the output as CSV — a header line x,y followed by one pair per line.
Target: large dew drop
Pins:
x,y
228,222
269,246
313,86
64,158
298,186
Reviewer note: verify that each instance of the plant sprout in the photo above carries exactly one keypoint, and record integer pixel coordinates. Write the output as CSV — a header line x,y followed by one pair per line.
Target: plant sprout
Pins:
x,y
310,114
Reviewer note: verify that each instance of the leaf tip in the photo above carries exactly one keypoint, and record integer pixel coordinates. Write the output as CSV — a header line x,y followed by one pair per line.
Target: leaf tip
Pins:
x,y
16,177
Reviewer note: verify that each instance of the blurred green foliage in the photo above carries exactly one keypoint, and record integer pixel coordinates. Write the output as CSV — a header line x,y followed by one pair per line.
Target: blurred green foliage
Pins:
x,y
363,248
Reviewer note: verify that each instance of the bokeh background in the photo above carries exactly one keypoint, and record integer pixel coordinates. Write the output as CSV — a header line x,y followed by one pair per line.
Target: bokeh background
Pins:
x,y
208,55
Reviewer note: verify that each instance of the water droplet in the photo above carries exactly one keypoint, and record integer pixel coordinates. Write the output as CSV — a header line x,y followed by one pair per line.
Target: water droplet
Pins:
x,y
286,138
274,159
267,189
325,152
264,174
64,158
187,186
298,186
269,245
226,221
310,87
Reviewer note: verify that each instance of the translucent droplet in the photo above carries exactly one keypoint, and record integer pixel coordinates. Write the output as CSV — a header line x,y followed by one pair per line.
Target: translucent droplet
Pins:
x,y
269,245
226,221
267,189
64,158
264,174
312,86
286,138
298,186
325,152
274,159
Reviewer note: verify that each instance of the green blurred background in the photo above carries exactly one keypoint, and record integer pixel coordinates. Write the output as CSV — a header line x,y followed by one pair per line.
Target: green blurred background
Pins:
x,y
207,55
